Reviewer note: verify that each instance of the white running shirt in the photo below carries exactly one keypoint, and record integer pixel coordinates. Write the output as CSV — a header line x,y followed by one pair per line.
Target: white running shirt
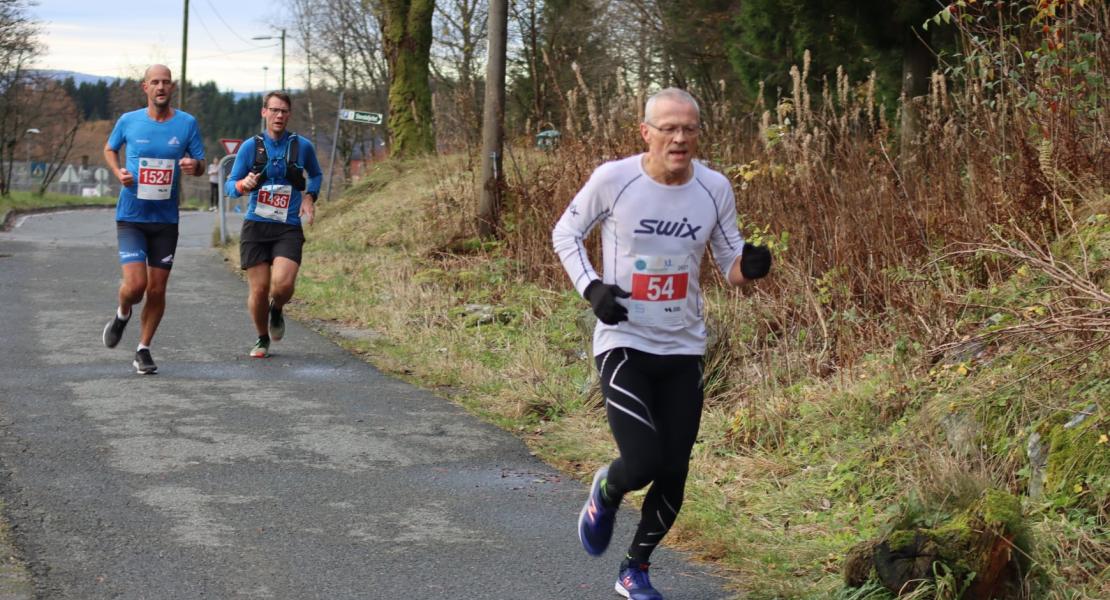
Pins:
x,y
653,238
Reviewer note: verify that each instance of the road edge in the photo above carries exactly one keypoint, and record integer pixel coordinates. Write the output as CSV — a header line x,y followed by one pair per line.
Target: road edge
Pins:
x,y
15,577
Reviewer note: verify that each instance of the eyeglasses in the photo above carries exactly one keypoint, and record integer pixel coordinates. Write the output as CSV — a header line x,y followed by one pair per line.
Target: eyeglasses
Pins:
x,y
672,130
278,111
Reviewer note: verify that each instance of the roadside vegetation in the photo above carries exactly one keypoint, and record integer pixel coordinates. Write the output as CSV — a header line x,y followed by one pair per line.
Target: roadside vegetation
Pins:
x,y
27,202
19,202
931,353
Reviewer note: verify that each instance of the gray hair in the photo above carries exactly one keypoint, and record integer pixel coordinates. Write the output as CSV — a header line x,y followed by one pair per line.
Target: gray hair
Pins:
x,y
674,94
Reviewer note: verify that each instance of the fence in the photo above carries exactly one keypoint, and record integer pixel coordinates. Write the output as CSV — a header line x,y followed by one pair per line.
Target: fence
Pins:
x,y
82,180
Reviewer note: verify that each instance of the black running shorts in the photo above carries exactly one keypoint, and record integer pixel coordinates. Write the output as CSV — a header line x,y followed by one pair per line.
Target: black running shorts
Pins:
x,y
152,243
261,242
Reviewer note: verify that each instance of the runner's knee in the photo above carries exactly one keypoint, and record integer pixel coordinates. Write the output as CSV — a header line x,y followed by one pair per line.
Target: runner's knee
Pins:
x,y
642,469
673,475
133,293
282,289
259,289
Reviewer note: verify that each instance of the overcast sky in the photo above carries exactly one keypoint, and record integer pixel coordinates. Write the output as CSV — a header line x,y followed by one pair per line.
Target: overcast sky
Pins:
x,y
119,38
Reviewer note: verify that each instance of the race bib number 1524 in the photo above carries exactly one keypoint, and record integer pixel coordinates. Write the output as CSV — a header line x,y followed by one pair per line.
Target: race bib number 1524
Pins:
x,y
155,178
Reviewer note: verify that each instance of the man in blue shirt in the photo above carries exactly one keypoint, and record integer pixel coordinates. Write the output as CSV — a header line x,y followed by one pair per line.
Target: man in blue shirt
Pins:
x,y
271,167
162,144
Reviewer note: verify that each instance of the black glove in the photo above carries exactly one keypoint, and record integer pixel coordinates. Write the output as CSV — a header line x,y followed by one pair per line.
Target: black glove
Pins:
x,y
603,299
755,262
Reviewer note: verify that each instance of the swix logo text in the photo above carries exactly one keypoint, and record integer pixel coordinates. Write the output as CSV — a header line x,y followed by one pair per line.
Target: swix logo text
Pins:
x,y
679,229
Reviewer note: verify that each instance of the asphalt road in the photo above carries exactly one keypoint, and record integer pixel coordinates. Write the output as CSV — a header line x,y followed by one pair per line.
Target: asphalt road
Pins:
x,y
307,475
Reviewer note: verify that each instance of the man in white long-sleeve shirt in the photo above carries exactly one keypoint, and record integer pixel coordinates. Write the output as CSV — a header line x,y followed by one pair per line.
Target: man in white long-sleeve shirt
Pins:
x,y
658,211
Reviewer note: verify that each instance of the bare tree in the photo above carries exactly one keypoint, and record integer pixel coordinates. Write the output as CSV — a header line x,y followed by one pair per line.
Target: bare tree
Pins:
x,y
524,40
341,42
126,95
19,46
458,51
59,118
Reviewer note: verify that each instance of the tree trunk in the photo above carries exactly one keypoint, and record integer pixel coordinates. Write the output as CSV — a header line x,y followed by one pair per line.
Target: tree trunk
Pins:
x,y
917,65
493,120
407,37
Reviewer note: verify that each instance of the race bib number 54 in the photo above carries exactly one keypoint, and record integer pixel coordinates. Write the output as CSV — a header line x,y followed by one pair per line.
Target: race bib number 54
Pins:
x,y
659,286
273,202
155,178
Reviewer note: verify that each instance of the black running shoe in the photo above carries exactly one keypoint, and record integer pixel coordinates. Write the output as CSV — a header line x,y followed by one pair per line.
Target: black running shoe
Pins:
x,y
277,323
143,363
113,331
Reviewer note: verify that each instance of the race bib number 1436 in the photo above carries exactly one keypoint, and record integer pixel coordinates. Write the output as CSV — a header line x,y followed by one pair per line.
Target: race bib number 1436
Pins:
x,y
273,202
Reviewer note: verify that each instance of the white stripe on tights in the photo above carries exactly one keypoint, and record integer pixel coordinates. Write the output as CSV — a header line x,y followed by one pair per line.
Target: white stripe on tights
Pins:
x,y
650,422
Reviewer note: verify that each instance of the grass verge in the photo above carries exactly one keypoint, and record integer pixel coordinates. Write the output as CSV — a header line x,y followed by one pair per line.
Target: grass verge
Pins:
x,y
19,202
790,473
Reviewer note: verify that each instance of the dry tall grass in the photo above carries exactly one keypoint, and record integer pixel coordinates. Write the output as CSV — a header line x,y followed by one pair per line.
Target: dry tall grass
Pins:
x,y
878,236
851,213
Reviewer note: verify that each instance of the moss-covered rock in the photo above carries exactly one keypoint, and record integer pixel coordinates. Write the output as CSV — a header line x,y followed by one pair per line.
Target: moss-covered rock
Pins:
x,y
859,564
976,548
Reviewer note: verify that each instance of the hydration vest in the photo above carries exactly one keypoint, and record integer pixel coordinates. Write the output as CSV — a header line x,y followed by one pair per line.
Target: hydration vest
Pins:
x,y
294,171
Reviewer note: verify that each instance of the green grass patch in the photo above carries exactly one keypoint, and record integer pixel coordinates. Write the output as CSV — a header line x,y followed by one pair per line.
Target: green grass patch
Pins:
x,y
26,201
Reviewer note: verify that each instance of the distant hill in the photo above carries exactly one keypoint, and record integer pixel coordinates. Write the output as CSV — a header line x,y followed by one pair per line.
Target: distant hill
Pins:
x,y
85,78
78,78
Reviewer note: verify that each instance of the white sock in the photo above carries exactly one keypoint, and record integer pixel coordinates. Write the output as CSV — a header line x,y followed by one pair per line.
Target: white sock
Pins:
x,y
122,317
142,347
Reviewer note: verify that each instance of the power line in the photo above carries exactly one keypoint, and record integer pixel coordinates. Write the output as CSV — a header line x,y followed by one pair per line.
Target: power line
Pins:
x,y
209,32
229,27
256,48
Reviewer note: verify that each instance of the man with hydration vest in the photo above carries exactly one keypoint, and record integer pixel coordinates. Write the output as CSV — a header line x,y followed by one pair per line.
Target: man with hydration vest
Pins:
x,y
271,167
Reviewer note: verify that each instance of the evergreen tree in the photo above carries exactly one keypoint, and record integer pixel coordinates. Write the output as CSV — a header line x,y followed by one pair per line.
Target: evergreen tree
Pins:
x,y
885,36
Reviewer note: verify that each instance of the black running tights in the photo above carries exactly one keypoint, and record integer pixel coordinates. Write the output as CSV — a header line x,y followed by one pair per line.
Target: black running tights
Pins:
x,y
654,405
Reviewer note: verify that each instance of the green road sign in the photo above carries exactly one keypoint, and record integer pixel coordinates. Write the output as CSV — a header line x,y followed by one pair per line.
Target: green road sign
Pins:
x,y
359,116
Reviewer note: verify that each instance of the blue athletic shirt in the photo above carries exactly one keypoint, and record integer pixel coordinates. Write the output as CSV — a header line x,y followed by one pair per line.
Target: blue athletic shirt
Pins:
x,y
153,150
275,207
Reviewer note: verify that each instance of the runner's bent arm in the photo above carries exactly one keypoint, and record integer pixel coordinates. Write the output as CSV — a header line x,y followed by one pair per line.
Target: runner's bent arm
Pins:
x,y
194,151
198,165
312,168
111,156
568,238
312,186
243,160
726,240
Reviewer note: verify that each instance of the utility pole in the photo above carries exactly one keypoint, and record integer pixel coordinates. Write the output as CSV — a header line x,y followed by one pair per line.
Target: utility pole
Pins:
x,y
308,84
493,126
335,136
184,53
335,141
270,37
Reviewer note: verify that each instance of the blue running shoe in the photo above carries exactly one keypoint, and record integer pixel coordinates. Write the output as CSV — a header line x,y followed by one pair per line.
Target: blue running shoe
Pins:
x,y
595,522
633,582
